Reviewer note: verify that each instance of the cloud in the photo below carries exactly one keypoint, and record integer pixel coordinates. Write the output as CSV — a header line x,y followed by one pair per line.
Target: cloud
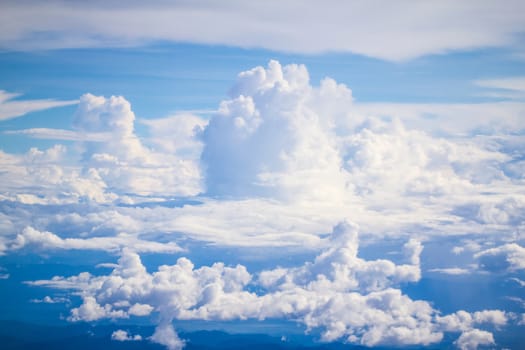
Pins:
x,y
509,87
342,295
399,31
267,141
31,237
472,339
60,134
46,176
124,163
165,335
121,335
10,109
508,257
3,271
451,271
51,300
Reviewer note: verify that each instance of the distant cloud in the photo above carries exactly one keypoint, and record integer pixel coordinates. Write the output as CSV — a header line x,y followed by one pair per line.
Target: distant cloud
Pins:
x,y
47,240
507,88
344,296
383,29
51,300
508,257
451,271
60,134
10,109
121,335
472,339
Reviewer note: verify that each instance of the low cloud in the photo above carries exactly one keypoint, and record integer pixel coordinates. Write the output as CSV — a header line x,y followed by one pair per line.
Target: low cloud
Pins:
x,y
121,335
509,257
342,295
49,241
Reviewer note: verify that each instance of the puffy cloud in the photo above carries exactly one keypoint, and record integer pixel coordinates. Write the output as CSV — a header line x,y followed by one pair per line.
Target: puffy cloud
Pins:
x,y
166,335
509,257
46,177
308,154
267,140
344,296
402,30
464,321
123,161
473,338
122,335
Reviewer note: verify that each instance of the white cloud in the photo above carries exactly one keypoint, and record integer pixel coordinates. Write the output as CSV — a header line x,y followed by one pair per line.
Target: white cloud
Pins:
x,y
123,161
509,257
393,31
122,335
268,141
51,300
451,270
47,240
472,339
344,296
451,119
60,134
165,335
12,109
47,177
509,87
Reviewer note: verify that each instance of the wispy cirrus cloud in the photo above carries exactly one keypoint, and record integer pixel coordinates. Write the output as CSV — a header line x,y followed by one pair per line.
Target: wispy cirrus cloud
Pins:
x,y
512,88
60,134
10,108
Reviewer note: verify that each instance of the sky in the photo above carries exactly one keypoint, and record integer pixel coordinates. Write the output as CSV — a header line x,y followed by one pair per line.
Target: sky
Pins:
x,y
327,173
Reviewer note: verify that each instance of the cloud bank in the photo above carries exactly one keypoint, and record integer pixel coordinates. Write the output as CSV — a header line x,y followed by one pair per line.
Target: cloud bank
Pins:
x,y
345,297
400,31
278,165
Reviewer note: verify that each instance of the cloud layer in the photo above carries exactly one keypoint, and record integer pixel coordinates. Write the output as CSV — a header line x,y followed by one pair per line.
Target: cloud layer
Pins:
x,y
381,29
283,165
344,296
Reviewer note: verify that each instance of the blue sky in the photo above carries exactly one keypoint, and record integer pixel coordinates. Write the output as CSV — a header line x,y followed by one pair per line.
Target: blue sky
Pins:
x,y
352,172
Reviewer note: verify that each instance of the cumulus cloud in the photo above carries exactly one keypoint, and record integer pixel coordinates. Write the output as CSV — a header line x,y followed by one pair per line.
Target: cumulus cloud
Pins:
x,y
472,339
342,295
47,177
123,161
280,162
267,140
508,257
122,335
402,30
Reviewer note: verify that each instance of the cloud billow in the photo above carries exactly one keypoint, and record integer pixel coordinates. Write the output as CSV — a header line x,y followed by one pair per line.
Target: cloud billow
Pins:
x,y
346,297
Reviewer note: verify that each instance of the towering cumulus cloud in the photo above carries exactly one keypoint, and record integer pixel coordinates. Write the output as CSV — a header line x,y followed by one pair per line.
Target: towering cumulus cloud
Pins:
x,y
269,140
121,159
